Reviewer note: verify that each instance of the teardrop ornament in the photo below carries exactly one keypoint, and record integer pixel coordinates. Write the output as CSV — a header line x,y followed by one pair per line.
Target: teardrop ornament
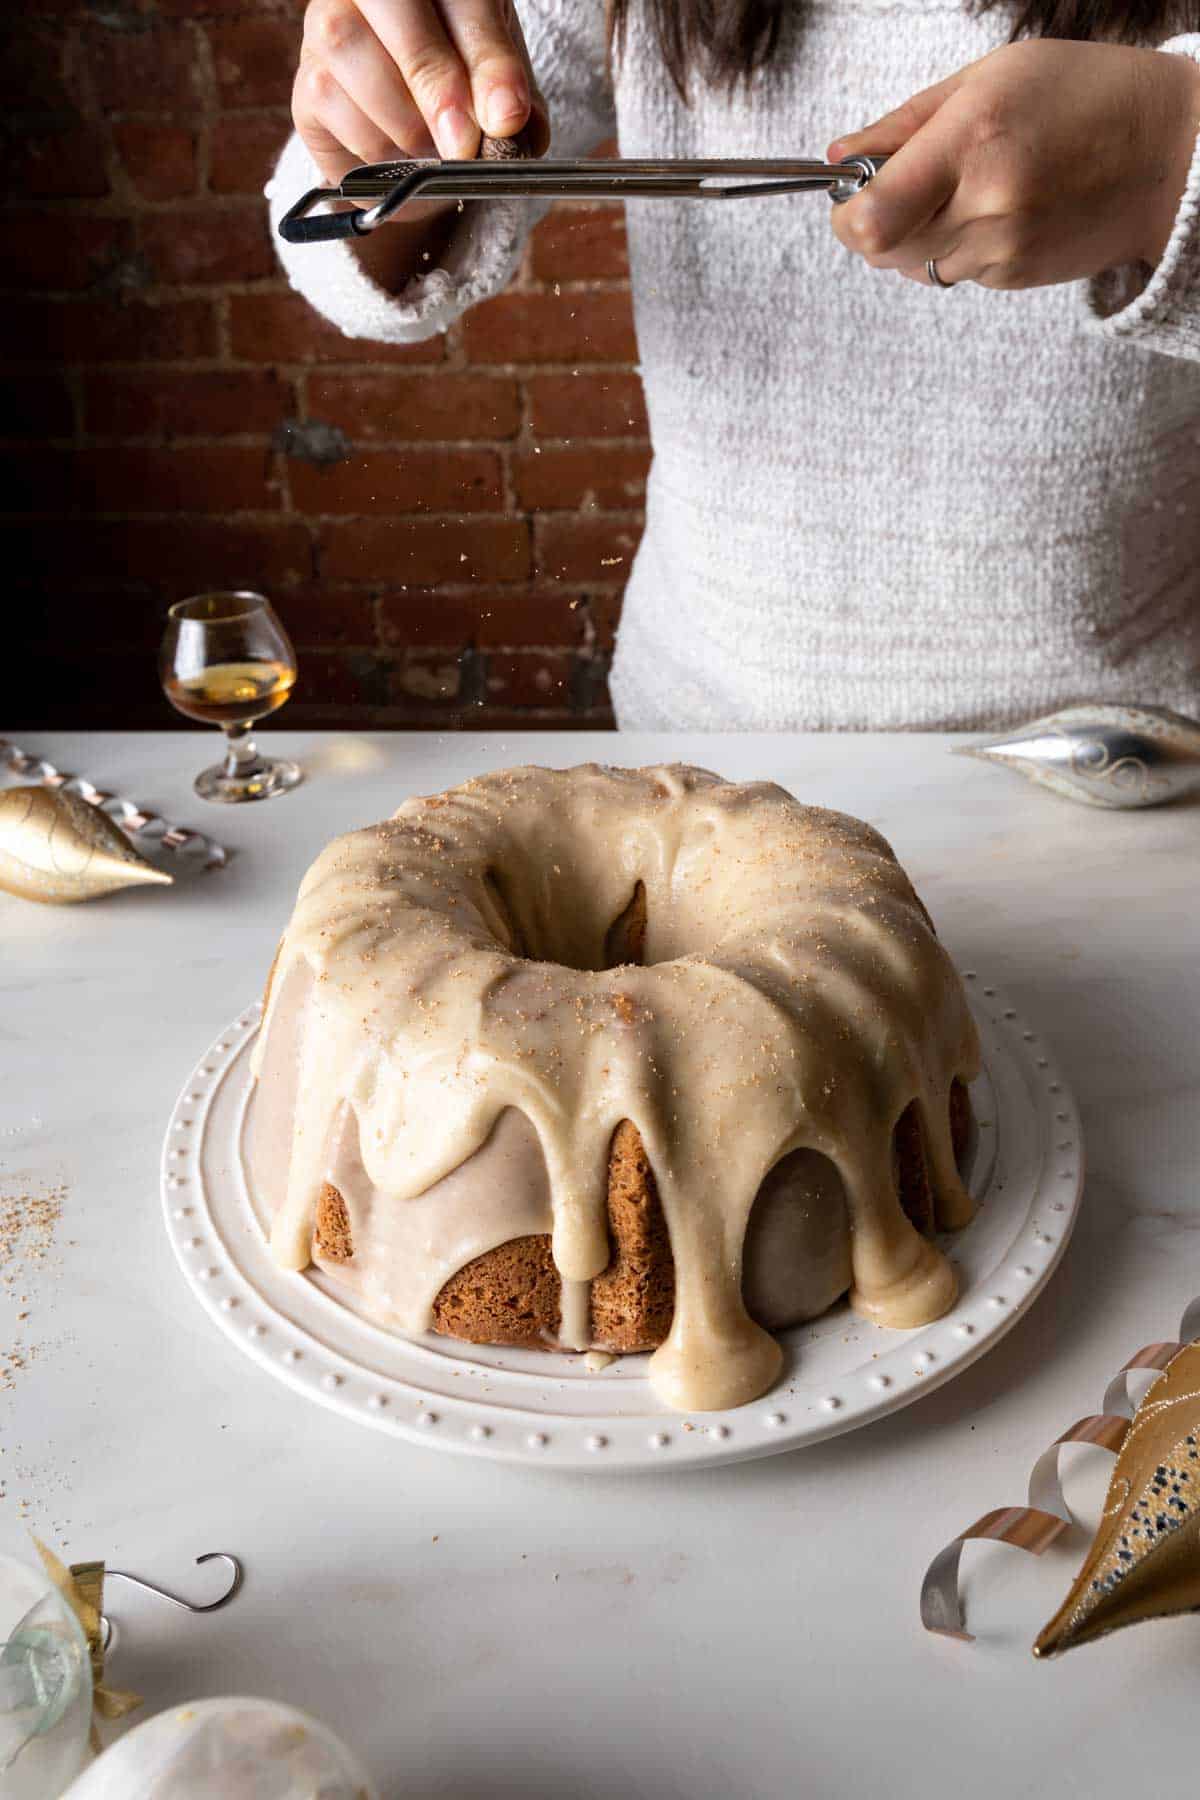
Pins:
x,y
57,849
1104,755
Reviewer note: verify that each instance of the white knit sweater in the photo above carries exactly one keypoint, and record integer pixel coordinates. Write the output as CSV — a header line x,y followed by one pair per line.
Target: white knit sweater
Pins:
x,y
871,505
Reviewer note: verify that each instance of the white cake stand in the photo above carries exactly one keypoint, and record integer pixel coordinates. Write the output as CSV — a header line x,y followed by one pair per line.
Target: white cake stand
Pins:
x,y
551,1409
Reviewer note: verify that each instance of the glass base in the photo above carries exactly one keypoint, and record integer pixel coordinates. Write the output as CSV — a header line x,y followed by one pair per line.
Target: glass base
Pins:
x,y
262,781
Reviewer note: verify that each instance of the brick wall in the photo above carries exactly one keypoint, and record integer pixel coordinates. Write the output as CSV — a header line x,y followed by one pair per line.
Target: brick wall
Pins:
x,y
444,527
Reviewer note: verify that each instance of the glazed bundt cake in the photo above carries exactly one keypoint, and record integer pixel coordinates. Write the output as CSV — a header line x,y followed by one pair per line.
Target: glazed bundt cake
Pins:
x,y
627,1059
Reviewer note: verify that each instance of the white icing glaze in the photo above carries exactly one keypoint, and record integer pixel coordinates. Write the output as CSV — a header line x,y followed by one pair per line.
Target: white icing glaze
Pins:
x,y
794,996
575,1302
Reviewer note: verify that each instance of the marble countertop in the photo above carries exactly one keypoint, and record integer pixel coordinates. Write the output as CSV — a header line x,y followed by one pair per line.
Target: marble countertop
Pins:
x,y
494,1631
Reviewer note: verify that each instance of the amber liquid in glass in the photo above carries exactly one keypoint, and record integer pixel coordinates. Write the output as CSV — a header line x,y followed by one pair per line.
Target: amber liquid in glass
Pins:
x,y
232,693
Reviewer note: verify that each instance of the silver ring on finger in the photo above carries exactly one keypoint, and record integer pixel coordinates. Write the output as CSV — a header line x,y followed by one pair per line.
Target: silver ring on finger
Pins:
x,y
935,279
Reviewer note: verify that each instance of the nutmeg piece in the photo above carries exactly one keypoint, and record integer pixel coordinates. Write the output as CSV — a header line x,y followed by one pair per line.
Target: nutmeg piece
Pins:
x,y
510,149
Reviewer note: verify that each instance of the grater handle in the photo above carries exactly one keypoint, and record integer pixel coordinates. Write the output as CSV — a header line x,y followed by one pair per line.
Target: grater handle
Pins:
x,y
300,226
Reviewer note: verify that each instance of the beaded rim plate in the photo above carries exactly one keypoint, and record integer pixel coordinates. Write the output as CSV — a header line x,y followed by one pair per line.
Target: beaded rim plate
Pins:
x,y
550,1408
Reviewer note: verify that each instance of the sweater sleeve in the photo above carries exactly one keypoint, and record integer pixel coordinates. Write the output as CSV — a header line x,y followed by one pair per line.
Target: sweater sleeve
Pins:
x,y
567,48
1159,309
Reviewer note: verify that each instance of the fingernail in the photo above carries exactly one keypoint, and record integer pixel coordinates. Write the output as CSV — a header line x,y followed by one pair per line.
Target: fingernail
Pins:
x,y
503,109
456,134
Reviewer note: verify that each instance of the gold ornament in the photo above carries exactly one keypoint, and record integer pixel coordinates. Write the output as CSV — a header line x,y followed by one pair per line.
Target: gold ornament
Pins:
x,y
56,848
1144,1562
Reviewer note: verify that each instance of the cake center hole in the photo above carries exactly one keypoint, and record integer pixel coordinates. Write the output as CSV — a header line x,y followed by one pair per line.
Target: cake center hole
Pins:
x,y
565,934
625,941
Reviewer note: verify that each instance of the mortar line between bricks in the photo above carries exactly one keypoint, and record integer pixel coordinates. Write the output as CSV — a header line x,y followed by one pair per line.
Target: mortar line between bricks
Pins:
x,y
456,360
77,73
224,328
281,473
209,93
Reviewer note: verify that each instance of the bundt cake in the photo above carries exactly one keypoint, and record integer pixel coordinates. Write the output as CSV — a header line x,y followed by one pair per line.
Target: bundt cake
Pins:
x,y
630,1059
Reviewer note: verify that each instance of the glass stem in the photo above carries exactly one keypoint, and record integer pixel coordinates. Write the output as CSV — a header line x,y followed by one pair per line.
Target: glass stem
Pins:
x,y
241,753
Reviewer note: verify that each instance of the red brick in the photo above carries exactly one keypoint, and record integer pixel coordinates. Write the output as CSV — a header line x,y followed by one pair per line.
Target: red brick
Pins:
x,y
528,678
578,244
572,549
207,403
595,327
431,616
245,148
401,408
58,163
587,406
221,479
385,481
255,60
56,253
145,69
425,550
31,66
283,328
216,244
35,406
432,676
325,615
160,160
606,476
178,558
352,680
98,331
516,620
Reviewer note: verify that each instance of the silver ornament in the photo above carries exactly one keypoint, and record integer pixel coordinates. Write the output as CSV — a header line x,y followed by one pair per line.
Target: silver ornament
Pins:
x,y
1115,756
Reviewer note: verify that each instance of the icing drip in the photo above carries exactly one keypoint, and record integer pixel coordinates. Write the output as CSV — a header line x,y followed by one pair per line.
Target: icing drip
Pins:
x,y
574,1330
448,971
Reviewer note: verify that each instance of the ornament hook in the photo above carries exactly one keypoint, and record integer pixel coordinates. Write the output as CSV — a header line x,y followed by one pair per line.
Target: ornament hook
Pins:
x,y
191,1606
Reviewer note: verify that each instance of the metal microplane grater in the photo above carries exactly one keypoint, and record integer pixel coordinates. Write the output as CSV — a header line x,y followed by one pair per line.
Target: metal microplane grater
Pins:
x,y
392,184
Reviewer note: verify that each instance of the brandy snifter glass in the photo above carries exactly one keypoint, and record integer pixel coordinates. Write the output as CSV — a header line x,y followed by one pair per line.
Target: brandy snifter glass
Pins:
x,y
226,660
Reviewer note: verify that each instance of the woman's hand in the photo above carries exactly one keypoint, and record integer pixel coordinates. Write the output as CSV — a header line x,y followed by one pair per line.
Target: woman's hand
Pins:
x,y
424,77
1044,162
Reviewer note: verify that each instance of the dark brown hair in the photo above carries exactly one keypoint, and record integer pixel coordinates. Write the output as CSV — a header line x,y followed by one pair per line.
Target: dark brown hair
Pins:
x,y
724,42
